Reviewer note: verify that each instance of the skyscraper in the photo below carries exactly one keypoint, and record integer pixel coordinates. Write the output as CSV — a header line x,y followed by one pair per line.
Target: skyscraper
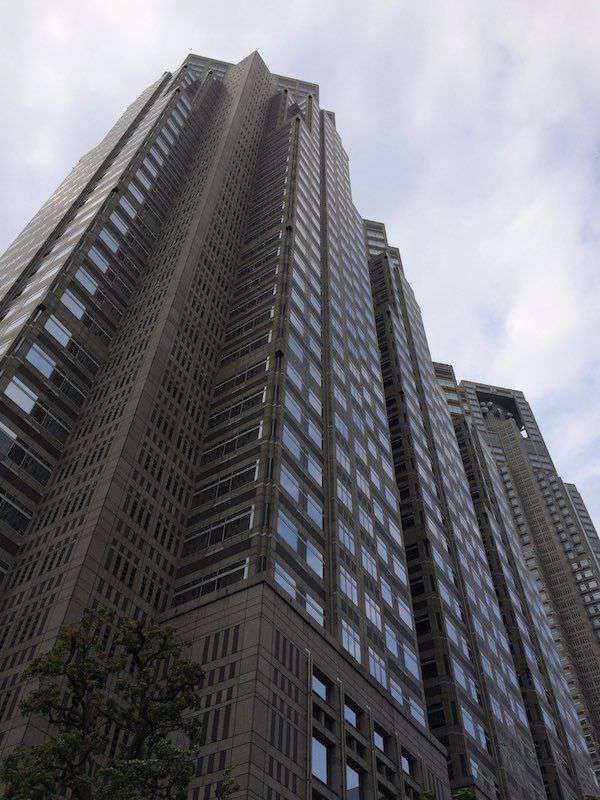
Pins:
x,y
557,537
471,624
195,429
552,717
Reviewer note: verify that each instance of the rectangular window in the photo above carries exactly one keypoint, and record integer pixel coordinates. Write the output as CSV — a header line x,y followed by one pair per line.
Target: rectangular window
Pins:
x,y
353,783
377,667
351,640
74,305
289,533
41,360
96,256
348,585
109,240
56,329
346,536
373,611
21,394
86,280
368,562
320,760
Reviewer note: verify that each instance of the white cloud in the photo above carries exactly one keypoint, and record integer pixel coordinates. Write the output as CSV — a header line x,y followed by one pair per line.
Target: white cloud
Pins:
x,y
473,133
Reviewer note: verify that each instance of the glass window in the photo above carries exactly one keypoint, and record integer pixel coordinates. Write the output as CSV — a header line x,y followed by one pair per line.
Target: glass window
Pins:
x,y
348,585
320,760
351,640
109,240
379,739
285,580
353,783
346,536
136,192
21,394
290,534
405,612
98,259
351,714
410,661
368,562
86,280
391,640
73,304
41,360
377,667
373,611
344,495
319,686
58,330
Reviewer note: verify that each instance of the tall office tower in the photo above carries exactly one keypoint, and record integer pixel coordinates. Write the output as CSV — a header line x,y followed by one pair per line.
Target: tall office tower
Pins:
x,y
194,431
555,541
474,699
559,742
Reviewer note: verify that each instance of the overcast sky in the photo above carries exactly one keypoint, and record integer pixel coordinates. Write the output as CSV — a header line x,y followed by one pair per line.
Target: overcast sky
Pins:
x,y
473,129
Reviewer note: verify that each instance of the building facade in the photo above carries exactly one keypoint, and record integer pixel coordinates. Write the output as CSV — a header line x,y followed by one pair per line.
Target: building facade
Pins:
x,y
473,687
195,429
559,741
558,540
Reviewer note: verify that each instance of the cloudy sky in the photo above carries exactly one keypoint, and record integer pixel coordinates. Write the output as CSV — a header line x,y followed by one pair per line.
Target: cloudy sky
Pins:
x,y
473,130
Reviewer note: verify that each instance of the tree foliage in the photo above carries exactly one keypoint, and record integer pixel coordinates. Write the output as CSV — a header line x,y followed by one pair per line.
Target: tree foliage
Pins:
x,y
116,717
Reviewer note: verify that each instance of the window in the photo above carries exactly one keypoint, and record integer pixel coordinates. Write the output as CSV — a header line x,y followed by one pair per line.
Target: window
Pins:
x,y
348,585
319,685
13,513
86,280
109,240
353,783
96,256
386,593
41,360
290,534
56,329
351,713
127,206
73,304
373,611
382,549
344,495
21,394
346,536
285,580
379,737
320,760
351,640
377,667
391,640
307,502
368,562
399,570
407,762
410,661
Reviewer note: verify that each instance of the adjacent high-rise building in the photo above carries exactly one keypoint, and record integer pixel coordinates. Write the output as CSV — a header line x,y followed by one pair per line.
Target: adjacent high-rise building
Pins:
x,y
553,720
557,537
486,693
218,411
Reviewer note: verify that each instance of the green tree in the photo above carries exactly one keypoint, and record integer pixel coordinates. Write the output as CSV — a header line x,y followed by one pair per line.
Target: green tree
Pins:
x,y
463,794
116,716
